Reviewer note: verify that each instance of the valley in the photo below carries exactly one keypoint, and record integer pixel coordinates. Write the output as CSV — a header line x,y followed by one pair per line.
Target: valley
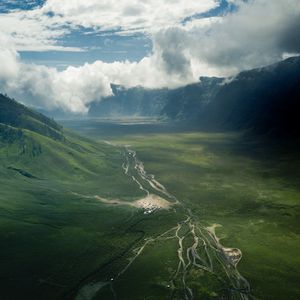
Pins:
x,y
198,246
106,207
220,178
149,150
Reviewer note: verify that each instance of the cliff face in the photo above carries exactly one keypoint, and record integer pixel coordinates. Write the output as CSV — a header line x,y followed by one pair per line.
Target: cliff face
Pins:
x,y
262,100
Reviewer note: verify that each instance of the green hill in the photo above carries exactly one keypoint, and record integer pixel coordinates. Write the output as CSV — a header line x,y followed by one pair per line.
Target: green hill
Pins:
x,y
17,115
45,225
35,146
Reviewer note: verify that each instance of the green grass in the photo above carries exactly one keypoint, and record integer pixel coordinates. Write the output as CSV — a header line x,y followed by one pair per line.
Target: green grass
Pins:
x,y
53,242
250,187
51,239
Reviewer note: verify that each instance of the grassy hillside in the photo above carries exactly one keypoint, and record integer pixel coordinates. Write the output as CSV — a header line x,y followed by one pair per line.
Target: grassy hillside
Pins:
x,y
17,115
33,145
54,237
48,232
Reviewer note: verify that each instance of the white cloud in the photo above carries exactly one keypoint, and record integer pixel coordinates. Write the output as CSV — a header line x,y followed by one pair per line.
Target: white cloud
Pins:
x,y
74,88
260,32
39,29
251,37
127,14
9,59
33,31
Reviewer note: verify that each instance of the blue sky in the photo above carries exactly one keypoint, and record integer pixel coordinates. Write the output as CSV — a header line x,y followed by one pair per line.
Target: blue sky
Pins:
x,y
95,44
8,5
108,48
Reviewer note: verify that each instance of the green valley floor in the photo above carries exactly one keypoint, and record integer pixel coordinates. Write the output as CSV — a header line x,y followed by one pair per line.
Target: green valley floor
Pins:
x,y
147,210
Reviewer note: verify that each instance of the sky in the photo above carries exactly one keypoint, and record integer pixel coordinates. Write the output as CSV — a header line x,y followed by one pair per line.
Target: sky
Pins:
x,y
65,54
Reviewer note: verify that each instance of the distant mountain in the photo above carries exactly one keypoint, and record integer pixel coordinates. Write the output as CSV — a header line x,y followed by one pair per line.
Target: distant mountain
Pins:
x,y
130,102
16,115
264,100
185,103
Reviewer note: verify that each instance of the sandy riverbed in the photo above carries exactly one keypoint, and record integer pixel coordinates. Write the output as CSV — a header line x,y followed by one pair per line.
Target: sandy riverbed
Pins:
x,y
150,202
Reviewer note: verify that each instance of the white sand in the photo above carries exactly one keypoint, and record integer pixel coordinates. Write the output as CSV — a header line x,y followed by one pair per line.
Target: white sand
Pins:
x,y
150,202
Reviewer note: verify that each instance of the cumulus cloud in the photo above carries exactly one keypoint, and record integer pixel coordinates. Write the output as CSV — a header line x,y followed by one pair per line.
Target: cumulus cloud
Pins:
x,y
40,28
33,31
76,87
253,36
258,33
8,58
127,15
71,90
170,46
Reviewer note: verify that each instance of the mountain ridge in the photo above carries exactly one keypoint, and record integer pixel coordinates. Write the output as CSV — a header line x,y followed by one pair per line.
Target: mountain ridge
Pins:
x,y
262,100
17,115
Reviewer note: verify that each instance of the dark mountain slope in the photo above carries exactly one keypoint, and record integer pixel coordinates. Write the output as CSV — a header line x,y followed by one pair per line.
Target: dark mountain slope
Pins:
x,y
264,100
17,115
186,102
130,102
